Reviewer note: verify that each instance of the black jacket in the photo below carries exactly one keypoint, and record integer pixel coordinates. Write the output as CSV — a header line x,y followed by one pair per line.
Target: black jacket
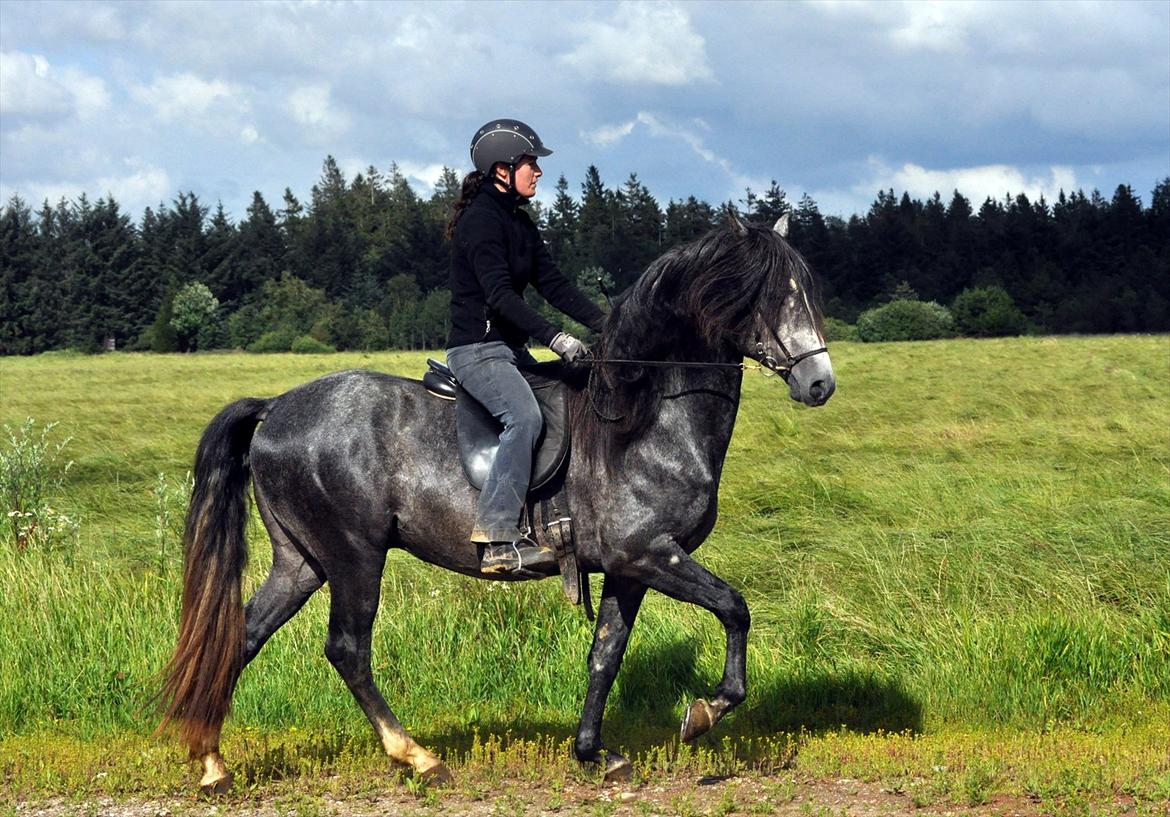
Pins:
x,y
496,253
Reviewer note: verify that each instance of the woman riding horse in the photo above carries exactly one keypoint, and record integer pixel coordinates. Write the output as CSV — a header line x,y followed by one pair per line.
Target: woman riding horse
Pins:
x,y
497,253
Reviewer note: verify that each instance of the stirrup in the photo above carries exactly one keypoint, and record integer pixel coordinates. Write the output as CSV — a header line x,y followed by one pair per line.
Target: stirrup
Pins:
x,y
522,554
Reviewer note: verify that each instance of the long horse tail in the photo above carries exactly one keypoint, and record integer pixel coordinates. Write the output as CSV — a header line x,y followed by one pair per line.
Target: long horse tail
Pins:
x,y
199,679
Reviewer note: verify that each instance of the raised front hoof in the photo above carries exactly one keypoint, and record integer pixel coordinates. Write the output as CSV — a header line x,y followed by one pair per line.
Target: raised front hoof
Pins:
x,y
700,717
437,777
216,786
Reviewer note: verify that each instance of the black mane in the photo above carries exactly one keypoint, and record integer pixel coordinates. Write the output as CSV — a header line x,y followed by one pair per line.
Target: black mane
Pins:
x,y
697,302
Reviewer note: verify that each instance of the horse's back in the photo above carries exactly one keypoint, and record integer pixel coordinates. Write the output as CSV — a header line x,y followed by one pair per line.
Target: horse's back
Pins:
x,y
362,457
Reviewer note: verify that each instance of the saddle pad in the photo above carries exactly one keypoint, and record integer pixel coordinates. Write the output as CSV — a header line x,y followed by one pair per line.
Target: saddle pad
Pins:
x,y
479,432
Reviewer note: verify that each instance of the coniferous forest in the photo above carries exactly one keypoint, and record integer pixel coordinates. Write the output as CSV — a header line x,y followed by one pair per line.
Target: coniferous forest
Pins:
x,y
363,263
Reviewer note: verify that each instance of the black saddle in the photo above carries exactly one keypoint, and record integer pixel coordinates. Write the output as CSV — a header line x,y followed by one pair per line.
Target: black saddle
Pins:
x,y
479,432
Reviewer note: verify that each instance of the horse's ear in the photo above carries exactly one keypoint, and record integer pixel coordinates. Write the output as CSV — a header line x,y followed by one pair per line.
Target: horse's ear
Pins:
x,y
735,225
781,226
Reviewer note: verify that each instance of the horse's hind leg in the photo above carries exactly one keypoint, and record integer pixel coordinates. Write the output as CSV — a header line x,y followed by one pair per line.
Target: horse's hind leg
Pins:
x,y
351,620
293,578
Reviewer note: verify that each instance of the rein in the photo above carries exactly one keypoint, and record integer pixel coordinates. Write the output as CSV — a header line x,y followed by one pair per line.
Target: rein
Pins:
x,y
766,364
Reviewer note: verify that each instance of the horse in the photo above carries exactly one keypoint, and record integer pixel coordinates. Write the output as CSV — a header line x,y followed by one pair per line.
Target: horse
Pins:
x,y
350,465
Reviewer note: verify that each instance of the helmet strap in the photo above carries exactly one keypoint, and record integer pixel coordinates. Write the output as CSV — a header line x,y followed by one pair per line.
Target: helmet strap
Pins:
x,y
510,184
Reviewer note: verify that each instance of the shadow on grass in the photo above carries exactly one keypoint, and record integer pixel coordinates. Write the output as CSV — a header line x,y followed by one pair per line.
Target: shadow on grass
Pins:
x,y
641,720
645,709
654,681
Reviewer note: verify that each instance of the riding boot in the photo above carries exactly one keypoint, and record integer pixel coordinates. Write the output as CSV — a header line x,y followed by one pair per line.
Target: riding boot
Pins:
x,y
520,555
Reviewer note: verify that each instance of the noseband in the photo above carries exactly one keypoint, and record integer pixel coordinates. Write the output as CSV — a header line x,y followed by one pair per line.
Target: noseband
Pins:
x,y
770,363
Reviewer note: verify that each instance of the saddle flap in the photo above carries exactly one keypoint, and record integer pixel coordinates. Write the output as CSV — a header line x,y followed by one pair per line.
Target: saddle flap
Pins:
x,y
479,432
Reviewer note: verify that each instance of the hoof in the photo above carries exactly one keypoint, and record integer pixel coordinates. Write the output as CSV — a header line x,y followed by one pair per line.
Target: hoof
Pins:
x,y
216,787
437,777
699,719
617,768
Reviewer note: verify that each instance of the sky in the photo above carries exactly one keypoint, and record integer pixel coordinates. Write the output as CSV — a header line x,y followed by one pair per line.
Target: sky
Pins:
x,y
839,100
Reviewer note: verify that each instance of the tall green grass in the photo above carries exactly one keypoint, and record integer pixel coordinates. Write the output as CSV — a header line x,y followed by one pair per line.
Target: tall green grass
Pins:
x,y
971,534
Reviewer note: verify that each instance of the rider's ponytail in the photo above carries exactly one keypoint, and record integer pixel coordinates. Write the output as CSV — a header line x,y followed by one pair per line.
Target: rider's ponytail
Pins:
x,y
471,184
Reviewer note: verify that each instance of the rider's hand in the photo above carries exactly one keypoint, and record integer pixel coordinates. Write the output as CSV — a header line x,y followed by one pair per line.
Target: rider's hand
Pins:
x,y
568,347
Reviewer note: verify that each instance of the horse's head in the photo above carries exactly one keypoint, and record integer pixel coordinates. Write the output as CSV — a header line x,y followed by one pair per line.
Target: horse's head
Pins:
x,y
787,336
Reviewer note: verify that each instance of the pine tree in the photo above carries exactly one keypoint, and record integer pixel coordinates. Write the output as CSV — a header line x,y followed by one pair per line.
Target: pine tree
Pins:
x,y
768,208
260,253
640,231
560,229
222,257
18,251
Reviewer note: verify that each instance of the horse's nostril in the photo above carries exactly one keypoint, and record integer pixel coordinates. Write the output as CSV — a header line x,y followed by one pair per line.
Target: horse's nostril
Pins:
x,y
817,390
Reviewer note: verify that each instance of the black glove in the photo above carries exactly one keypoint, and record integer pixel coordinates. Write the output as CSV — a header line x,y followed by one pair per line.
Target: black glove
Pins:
x,y
568,347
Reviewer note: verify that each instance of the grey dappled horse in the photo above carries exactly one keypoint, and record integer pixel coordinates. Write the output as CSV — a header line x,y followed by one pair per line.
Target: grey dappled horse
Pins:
x,y
354,463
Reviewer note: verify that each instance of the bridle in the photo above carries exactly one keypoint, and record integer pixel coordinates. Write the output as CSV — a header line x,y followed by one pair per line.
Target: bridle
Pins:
x,y
766,363
770,363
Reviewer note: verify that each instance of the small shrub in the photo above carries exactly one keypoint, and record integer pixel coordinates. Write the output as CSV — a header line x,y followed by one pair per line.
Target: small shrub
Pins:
x,y
31,472
985,312
905,320
278,340
213,335
161,336
244,327
836,329
309,345
193,308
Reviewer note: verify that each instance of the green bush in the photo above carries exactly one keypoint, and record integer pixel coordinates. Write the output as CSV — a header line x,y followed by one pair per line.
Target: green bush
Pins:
x,y
31,474
309,345
278,340
161,336
192,309
244,326
837,329
905,320
985,312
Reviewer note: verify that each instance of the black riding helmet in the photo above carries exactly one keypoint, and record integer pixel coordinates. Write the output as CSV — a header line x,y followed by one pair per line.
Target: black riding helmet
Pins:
x,y
506,141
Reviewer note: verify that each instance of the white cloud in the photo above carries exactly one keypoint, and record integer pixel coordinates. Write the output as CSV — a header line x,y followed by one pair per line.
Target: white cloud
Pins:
x,y
187,97
642,44
139,185
976,183
424,175
33,88
609,134
915,26
312,106
249,135
660,128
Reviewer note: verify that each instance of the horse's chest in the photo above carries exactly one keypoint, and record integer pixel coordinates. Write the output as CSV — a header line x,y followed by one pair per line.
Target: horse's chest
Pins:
x,y
662,501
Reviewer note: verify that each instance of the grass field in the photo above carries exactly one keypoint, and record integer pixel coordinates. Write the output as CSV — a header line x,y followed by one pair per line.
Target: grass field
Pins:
x,y
972,539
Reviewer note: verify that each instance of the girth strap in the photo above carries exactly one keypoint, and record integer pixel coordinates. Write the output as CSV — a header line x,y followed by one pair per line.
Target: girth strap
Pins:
x,y
558,525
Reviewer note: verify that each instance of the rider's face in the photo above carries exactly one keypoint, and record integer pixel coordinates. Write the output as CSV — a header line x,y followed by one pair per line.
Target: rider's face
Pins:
x,y
527,172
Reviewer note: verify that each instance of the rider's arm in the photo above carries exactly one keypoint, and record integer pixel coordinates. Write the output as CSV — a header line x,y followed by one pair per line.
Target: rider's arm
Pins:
x,y
558,290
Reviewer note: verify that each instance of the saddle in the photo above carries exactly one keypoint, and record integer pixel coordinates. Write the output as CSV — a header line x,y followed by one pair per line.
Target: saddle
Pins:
x,y
478,433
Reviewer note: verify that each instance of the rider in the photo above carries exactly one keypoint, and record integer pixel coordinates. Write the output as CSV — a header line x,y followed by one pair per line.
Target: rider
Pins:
x,y
497,252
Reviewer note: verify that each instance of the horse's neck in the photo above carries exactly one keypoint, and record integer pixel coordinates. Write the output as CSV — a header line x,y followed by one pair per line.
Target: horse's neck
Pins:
x,y
698,410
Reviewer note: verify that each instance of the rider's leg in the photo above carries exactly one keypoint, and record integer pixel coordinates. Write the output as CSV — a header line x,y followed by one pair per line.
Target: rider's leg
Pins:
x,y
487,371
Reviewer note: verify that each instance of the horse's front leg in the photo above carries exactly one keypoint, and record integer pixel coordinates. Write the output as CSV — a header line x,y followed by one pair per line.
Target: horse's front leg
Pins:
x,y
620,600
670,570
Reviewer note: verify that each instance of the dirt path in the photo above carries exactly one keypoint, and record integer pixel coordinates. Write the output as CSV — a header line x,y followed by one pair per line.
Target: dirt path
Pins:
x,y
756,795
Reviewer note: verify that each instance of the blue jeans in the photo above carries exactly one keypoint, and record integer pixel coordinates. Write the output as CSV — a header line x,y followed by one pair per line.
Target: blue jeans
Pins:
x,y
487,371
